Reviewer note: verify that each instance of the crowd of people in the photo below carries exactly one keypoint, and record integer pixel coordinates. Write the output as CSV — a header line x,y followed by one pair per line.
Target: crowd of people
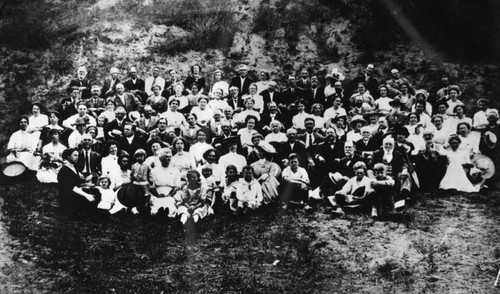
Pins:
x,y
192,147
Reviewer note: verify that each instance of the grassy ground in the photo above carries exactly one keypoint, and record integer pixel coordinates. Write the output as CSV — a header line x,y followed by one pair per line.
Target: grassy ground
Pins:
x,y
441,244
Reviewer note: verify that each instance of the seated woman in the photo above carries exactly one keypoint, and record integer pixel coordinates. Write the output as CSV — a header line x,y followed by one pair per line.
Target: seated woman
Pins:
x,y
154,160
183,100
247,192
219,84
22,145
276,135
176,120
53,124
194,95
72,197
266,171
240,118
197,150
295,186
452,99
354,192
37,120
157,102
217,103
194,199
456,177
51,160
181,159
203,112
258,100
298,119
121,176
189,133
211,157
247,133
166,181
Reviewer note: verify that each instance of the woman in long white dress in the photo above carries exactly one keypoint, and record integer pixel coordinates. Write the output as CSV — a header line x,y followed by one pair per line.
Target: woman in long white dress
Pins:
x,y
455,177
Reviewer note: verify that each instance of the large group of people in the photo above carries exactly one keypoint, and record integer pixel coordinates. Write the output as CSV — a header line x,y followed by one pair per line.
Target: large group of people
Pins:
x,y
192,147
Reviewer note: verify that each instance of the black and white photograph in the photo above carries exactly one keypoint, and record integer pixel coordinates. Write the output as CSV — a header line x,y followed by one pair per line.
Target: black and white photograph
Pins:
x,y
249,146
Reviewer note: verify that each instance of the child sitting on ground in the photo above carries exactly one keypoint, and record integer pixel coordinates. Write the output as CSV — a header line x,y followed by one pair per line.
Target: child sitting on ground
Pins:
x,y
247,192
193,200
382,194
107,194
228,186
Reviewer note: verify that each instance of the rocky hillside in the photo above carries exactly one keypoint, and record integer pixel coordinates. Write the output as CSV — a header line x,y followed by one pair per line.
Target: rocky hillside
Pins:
x,y
43,42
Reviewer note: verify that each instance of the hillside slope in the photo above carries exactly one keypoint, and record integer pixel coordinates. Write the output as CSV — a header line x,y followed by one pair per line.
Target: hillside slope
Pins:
x,y
44,42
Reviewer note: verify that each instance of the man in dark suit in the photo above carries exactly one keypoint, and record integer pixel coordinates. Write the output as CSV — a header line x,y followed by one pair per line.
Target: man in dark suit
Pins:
x,y
271,95
109,86
310,138
127,100
367,145
293,145
396,167
234,100
271,114
89,162
161,134
327,153
131,140
147,122
291,94
227,133
345,164
315,93
304,83
135,85
366,78
117,123
81,83
242,82
95,104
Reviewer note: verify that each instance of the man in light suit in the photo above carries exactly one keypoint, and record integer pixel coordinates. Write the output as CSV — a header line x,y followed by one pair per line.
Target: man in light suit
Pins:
x,y
110,83
127,100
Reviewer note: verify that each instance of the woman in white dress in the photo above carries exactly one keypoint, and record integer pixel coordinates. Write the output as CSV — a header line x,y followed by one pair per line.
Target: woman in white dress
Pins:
x,y
258,100
166,182
455,177
219,84
181,159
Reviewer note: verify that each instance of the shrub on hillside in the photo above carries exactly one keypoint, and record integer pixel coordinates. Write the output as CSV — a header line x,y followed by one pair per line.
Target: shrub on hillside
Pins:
x,y
209,25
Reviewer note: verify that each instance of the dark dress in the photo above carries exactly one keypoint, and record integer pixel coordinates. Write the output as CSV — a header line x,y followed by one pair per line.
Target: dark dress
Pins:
x,y
69,201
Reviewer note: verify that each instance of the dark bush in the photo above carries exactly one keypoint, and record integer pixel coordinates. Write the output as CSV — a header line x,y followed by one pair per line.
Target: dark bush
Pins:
x,y
209,25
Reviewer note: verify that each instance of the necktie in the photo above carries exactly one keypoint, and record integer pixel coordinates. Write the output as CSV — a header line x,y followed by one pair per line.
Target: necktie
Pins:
x,y
309,140
154,81
87,161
